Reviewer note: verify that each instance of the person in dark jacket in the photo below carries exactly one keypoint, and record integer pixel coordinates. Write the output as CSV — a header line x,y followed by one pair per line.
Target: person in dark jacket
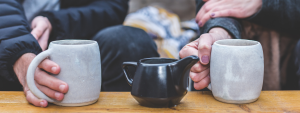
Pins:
x,y
278,22
28,26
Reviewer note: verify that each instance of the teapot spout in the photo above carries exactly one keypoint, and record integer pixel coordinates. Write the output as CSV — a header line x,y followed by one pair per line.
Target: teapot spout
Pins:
x,y
181,70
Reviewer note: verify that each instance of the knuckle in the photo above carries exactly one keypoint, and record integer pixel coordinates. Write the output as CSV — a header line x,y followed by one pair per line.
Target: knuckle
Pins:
x,y
193,77
206,8
182,52
197,67
204,35
37,75
216,9
205,46
28,98
229,12
46,64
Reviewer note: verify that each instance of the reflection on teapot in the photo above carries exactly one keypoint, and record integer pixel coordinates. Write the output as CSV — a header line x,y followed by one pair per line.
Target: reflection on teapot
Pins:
x,y
159,82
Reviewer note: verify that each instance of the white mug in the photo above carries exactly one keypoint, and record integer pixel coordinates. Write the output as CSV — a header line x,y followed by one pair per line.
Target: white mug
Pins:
x,y
80,65
236,70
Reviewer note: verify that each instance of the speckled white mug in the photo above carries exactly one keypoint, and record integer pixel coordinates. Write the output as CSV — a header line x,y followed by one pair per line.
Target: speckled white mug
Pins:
x,y
80,65
236,70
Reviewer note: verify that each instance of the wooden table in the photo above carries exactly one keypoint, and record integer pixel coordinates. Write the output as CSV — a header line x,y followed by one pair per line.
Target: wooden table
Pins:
x,y
201,101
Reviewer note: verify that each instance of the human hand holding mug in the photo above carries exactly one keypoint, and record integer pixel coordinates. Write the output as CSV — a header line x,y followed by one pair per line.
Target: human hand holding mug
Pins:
x,y
51,86
201,47
80,65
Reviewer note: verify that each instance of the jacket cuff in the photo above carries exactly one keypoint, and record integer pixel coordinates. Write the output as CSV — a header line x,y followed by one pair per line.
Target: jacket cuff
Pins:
x,y
231,25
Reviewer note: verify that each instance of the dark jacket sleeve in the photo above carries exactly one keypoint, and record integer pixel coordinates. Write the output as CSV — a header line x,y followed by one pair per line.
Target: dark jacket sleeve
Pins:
x,y
82,22
231,25
15,40
282,15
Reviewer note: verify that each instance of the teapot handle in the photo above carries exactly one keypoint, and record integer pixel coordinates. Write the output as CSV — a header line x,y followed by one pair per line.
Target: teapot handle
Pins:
x,y
125,69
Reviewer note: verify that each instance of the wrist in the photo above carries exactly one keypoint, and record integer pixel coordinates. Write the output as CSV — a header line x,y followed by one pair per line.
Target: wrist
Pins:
x,y
21,65
222,32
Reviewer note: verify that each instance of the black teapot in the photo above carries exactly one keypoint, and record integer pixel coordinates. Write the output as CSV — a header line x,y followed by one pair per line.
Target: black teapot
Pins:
x,y
159,82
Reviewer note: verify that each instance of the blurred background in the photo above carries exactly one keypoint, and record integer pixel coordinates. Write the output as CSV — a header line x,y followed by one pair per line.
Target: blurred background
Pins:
x,y
170,23
185,9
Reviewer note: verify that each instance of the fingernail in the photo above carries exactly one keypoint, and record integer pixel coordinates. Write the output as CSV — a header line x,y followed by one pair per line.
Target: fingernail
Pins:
x,y
200,23
205,59
212,14
57,95
62,88
42,103
53,69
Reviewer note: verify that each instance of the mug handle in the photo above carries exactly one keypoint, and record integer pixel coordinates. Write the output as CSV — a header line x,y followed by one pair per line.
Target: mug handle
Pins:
x,y
30,75
125,69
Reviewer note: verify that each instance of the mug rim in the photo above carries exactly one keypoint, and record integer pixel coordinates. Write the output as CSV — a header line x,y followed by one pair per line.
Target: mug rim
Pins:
x,y
73,42
244,40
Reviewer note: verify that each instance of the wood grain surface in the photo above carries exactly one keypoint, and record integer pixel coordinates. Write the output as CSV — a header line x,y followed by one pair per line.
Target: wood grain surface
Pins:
x,y
201,101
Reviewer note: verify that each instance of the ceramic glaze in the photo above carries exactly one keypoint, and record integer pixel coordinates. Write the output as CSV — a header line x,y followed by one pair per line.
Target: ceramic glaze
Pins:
x,y
236,70
80,65
159,82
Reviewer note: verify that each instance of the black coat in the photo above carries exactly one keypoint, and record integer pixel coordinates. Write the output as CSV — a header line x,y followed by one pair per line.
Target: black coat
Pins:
x,y
280,15
80,19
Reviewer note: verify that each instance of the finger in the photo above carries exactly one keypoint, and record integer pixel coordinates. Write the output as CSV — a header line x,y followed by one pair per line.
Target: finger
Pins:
x,y
197,77
205,18
204,9
43,40
39,30
203,83
209,9
205,43
189,49
49,81
227,13
198,67
34,100
199,15
49,66
50,93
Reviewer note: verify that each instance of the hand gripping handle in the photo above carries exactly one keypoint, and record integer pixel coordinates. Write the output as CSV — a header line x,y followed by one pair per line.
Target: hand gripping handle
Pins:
x,y
30,75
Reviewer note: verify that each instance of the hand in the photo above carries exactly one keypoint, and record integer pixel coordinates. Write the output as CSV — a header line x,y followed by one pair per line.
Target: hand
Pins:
x,y
49,85
201,47
41,29
227,8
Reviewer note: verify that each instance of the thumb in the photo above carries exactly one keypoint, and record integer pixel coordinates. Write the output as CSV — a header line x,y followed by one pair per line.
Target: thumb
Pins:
x,y
204,48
